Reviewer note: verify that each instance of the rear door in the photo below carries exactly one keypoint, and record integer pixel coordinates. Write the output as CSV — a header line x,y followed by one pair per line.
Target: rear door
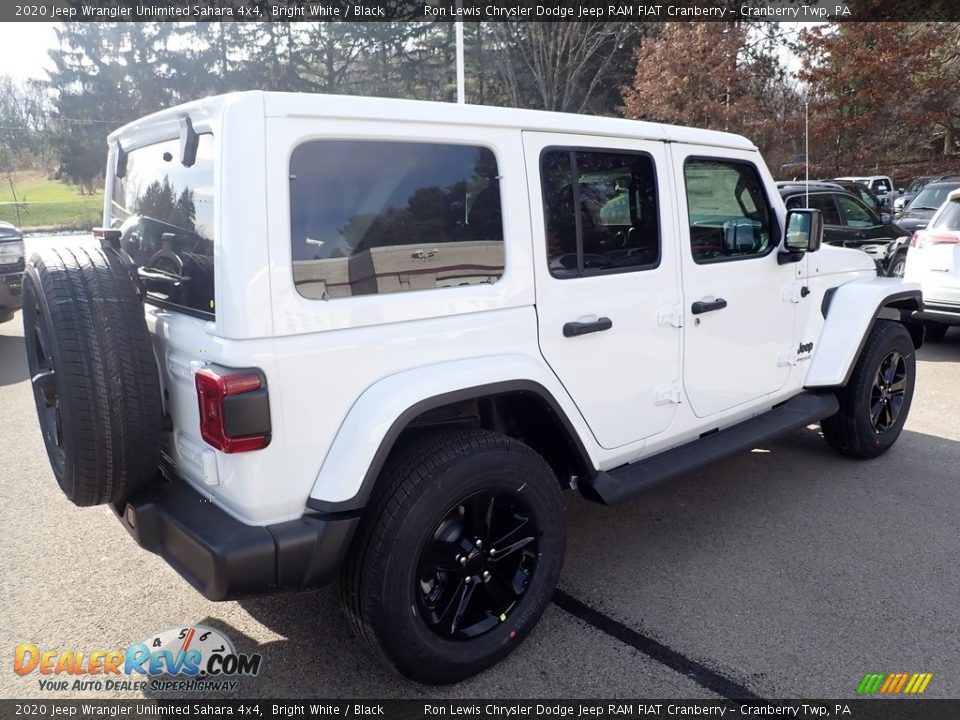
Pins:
x,y
607,279
739,302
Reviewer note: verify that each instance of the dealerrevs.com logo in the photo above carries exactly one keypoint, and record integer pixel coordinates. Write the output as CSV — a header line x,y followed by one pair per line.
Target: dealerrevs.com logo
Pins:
x,y
188,658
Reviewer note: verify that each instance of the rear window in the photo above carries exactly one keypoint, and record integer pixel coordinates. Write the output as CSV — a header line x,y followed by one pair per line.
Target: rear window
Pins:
x,y
165,213
372,217
949,217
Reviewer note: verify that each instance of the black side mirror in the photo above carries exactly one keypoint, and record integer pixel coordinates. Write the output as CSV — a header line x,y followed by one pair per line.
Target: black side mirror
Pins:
x,y
804,234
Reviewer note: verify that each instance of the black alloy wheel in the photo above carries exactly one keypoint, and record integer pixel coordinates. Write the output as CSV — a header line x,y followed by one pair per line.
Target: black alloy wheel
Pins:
x,y
875,402
43,378
888,392
476,564
457,553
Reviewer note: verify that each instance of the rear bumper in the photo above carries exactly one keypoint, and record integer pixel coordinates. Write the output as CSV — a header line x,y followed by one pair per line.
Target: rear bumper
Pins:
x,y
222,557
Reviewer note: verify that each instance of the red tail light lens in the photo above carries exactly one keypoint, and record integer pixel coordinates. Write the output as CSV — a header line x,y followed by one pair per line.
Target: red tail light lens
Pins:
x,y
942,239
234,411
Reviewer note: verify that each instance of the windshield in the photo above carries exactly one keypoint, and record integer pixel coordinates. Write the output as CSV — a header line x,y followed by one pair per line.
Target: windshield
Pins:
x,y
932,197
916,186
165,213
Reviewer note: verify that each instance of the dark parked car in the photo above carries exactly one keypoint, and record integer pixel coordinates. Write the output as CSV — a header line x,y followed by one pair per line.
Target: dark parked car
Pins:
x,y
854,188
866,195
916,185
11,269
849,222
922,208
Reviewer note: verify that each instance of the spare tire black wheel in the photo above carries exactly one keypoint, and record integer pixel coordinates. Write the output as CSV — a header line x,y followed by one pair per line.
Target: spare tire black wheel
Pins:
x,y
93,371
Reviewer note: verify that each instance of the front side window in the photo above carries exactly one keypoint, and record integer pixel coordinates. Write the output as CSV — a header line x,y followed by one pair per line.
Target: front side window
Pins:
x,y
856,213
165,211
819,201
730,217
880,186
371,217
600,209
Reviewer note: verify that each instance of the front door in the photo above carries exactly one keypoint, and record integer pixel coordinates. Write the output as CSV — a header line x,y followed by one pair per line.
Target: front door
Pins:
x,y
739,302
607,279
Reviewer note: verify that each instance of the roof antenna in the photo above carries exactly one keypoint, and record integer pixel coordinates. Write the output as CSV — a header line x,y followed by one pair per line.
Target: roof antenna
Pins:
x,y
806,147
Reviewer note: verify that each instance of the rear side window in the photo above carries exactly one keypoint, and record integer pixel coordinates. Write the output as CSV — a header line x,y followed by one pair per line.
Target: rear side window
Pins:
x,y
601,212
730,217
372,217
166,216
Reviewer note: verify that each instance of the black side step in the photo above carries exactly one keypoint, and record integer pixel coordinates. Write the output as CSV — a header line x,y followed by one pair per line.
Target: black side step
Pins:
x,y
615,486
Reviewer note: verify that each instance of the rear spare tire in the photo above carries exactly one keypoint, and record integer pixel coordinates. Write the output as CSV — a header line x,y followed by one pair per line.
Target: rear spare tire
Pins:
x,y
93,372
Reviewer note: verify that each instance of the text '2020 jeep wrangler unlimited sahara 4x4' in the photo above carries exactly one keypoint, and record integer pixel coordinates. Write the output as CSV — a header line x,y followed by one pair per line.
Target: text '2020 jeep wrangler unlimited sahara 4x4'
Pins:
x,y
376,338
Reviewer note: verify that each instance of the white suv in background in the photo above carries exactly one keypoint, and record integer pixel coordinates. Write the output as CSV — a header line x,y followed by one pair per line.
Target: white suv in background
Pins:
x,y
934,262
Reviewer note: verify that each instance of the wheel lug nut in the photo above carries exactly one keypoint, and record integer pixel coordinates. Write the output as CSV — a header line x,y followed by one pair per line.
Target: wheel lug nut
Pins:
x,y
463,561
468,579
486,574
479,542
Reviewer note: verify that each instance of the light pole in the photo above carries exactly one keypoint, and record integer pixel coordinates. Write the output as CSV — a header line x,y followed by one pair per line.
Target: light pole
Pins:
x,y
460,74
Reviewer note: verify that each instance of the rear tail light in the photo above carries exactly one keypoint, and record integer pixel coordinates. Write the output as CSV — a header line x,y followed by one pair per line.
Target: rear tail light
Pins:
x,y
234,409
925,239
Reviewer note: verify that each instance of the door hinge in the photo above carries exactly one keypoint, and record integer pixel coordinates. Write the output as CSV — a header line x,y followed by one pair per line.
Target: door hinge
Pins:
x,y
668,394
788,357
672,316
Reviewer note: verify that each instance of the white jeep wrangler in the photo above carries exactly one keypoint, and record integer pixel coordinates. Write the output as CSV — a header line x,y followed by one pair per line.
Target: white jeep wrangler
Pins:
x,y
375,339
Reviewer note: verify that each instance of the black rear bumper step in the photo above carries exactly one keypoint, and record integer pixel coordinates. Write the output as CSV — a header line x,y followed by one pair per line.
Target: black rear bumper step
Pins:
x,y
615,486
224,558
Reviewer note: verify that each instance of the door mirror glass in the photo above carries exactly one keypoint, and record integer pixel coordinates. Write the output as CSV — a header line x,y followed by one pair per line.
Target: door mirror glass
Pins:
x,y
804,231
886,218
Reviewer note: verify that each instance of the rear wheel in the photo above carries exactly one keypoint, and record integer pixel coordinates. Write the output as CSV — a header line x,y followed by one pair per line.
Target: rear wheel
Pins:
x,y
94,377
457,556
875,403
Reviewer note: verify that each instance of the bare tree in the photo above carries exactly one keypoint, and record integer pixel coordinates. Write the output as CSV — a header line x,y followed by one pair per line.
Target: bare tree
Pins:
x,y
567,64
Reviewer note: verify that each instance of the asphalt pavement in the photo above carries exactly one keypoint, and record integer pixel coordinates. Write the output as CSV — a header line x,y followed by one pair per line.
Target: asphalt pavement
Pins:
x,y
788,571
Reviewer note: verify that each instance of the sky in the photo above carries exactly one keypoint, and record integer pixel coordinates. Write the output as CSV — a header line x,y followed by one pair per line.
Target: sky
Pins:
x,y
24,46
23,49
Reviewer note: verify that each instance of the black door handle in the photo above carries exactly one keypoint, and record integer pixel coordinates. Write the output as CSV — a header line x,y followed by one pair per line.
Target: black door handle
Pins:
x,y
703,306
582,328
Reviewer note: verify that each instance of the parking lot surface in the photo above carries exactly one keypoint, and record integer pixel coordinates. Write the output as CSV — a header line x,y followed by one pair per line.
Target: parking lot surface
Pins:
x,y
788,571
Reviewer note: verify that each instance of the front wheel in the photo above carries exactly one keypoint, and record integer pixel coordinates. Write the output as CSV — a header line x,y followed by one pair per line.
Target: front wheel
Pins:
x,y
457,556
875,403
898,265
